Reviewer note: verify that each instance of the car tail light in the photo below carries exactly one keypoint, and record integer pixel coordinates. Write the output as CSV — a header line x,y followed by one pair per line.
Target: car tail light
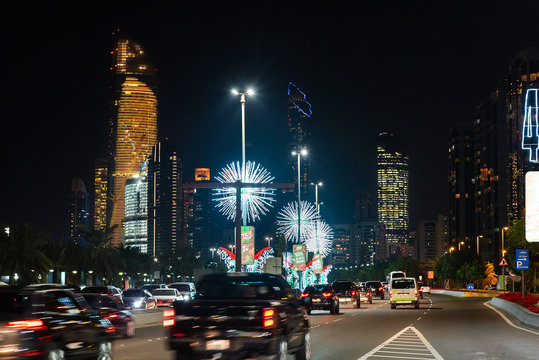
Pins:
x,y
34,324
381,288
353,293
178,334
415,291
304,295
112,316
368,294
168,322
326,294
269,320
168,313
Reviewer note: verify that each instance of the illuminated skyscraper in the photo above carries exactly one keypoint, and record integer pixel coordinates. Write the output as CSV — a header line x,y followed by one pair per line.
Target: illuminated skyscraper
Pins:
x,y
78,209
299,113
393,189
136,211
133,125
100,198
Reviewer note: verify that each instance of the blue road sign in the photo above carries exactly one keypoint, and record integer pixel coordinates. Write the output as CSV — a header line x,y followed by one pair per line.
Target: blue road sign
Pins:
x,y
523,259
470,287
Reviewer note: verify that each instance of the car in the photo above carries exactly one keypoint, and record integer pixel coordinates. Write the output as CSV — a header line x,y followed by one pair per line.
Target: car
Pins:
x,y
425,289
385,285
122,320
152,287
109,290
404,292
347,292
50,324
320,297
365,294
376,288
139,299
165,297
186,289
239,316
393,275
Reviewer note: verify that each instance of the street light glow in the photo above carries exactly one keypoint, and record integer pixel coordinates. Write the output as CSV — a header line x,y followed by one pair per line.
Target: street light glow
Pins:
x,y
250,92
234,91
303,152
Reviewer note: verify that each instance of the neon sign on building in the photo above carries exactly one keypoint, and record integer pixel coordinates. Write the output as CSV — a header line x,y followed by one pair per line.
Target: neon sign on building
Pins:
x,y
530,127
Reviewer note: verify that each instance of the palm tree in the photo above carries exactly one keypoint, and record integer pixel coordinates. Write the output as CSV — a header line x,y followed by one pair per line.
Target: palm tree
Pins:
x,y
21,253
98,255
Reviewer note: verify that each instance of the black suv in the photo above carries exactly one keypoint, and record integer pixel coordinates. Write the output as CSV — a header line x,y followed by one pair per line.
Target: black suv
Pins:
x,y
347,292
52,324
376,288
321,297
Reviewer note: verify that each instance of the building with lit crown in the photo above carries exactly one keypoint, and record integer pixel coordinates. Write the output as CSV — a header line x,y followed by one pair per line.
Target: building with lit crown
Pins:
x,y
133,125
393,190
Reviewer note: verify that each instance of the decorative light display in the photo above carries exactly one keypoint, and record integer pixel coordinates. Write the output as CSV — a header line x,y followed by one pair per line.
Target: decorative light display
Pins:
x,y
287,220
319,238
260,259
228,257
308,276
530,125
254,201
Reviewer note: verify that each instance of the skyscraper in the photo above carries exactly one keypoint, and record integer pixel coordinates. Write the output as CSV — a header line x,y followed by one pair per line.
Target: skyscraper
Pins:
x,y
133,125
165,199
136,211
393,189
100,193
342,235
79,213
299,126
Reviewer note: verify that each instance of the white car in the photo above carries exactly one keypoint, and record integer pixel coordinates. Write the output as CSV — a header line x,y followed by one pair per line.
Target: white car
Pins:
x,y
425,289
186,289
403,291
165,297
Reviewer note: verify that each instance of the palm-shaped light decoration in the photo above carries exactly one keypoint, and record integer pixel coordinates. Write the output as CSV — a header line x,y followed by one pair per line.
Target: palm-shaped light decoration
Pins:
x,y
319,238
254,201
287,220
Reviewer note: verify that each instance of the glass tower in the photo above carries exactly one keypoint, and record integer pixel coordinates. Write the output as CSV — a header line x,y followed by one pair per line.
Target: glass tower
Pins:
x,y
79,213
393,189
133,125
136,212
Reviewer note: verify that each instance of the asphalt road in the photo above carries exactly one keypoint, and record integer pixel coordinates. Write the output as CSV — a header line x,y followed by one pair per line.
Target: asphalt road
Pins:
x,y
444,327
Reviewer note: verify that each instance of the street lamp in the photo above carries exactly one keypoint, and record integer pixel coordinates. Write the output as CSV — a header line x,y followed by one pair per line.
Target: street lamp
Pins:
x,y
299,153
242,100
461,243
268,239
212,252
451,249
505,228
317,205
233,248
478,237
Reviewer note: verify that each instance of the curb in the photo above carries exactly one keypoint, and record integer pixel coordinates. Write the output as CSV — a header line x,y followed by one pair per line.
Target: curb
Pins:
x,y
467,294
523,315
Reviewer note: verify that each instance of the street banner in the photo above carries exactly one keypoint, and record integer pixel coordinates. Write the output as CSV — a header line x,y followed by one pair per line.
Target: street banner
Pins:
x,y
431,275
299,257
247,245
318,264
532,206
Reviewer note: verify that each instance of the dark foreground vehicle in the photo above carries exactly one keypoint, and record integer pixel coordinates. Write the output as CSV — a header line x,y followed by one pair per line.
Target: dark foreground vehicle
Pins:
x,y
321,297
123,321
347,292
50,324
237,316
376,288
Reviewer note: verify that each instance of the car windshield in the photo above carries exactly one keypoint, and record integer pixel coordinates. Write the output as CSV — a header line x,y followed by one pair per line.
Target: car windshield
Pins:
x,y
342,286
373,284
95,290
98,301
180,287
133,293
318,288
249,286
398,275
164,292
403,284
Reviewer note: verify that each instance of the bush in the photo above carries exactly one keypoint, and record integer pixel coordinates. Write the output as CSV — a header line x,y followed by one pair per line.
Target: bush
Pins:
x,y
528,301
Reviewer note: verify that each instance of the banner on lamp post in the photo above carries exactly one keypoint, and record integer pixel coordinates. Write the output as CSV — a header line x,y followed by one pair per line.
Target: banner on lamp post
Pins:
x,y
317,264
299,257
247,245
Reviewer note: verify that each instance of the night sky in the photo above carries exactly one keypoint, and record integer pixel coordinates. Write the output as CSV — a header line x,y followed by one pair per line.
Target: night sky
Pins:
x,y
413,68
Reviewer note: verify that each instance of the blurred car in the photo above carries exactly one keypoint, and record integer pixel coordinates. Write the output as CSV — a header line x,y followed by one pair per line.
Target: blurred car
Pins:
x,y
347,292
139,299
165,297
376,288
122,320
425,289
108,290
365,294
404,292
152,287
186,289
50,324
320,297
239,316
385,285
74,288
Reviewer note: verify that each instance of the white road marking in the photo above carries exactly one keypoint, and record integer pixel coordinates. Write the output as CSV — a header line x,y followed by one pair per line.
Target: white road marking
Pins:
x,y
422,349
419,318
509,321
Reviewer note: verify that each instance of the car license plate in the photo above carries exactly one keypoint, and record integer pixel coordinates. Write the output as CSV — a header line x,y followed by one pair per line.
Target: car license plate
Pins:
x,y
316,300
404,301
345,299
217,344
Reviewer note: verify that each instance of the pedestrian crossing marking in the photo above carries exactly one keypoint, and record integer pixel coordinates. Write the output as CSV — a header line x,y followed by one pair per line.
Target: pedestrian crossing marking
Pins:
x,y
408,343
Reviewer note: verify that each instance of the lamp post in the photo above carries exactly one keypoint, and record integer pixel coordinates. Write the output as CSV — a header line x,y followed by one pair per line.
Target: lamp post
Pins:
x,y
316,196
212,251
268,239
242,100
505,228
461,243
477,238
299,153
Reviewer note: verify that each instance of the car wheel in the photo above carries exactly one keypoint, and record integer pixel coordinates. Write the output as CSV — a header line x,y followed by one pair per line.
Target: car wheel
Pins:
x,y
305,351
56,353
382,297
308,311
183,355
338,309
370,300
358,304
416,305
104,351
332,309
393,306
281,353
130,329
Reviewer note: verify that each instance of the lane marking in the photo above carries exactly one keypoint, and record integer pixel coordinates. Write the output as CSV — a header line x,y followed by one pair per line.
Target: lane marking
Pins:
x,y
509,321
399,357
402,352
419,318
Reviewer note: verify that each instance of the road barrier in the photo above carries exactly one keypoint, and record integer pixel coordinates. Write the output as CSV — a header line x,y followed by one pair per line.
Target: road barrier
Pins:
x,y
465,293
523,315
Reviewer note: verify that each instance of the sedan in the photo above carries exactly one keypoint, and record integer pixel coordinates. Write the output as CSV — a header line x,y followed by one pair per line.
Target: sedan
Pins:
x,y
123,321
322,297
139,299
165,297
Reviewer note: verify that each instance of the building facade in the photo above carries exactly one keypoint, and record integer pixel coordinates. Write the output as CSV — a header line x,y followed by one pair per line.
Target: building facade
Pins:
x,y
79,213
100,193
342,235
133,124
135,230
393,190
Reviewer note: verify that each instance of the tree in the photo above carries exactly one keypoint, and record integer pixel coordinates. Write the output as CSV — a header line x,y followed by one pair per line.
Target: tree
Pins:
x,y
516,239
98,254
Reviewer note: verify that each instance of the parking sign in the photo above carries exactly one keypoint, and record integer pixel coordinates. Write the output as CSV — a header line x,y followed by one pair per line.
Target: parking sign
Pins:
x,y
523,259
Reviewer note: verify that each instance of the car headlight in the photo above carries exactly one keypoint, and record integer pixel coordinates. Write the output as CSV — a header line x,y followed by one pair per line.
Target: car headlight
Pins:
x,y
137,303
187,297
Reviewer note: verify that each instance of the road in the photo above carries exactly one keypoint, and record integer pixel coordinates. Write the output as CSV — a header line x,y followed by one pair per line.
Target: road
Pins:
x,y
444,327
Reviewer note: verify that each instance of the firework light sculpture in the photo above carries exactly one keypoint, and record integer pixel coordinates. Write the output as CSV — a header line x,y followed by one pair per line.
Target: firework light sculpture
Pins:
x,y
319,238
287,220
254,201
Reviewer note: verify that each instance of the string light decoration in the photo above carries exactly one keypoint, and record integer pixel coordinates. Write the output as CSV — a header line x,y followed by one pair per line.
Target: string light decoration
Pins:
x,y
254,201
287,220
319,238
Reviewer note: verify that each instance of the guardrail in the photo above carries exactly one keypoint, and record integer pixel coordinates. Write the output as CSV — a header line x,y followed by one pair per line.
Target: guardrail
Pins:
x,y
467,293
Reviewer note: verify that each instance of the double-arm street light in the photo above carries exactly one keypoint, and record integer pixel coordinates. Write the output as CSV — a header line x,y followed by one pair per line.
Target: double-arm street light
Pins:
x,y
316,196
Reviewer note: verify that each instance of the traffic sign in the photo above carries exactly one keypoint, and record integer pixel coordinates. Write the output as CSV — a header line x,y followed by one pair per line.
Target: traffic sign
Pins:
x,y
523,259
503,262
470,287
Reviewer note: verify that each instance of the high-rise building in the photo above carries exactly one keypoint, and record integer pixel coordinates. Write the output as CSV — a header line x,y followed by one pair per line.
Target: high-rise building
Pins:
x,y
442,235
136,212
133,125
393,189
79,213
364,206
342,235
164,199
426,241
367,243
100,193
299,126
